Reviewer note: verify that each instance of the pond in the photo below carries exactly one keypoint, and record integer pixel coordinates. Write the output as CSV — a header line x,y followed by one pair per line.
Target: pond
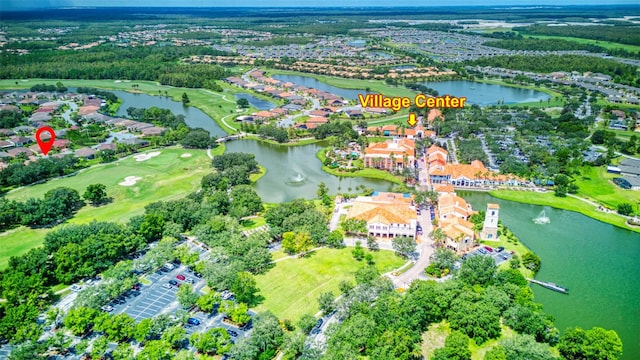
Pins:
x,y
294,172
598,262
256,102
194,117
486,94
310,82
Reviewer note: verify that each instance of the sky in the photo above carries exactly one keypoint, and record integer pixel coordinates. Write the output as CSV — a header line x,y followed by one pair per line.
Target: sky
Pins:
x,y
8,5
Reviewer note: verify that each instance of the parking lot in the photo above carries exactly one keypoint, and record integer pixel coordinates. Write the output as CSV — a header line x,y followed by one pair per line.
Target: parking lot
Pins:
x,y
499,256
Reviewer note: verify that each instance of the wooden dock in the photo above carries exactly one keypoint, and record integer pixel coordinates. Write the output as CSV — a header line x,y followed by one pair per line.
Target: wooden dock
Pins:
x,y
550,286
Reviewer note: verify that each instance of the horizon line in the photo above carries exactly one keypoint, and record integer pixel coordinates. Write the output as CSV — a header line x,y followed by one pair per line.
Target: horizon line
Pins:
x,y
528,6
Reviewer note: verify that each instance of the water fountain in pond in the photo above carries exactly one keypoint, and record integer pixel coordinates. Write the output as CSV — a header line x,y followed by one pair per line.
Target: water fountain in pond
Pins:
x,y
541,218
298,179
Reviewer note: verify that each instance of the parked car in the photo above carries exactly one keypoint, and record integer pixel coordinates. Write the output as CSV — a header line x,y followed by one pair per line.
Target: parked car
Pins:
x,y
232,333
136,287
180,277
169,266
482,251
167,286
500,249
76,287
193,321
198,275
189,281
315,331
107,308
319,323
173,282
488,248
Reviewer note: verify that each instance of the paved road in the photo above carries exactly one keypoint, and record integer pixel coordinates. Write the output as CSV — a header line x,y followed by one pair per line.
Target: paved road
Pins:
x,y
425,249
67,114
339,210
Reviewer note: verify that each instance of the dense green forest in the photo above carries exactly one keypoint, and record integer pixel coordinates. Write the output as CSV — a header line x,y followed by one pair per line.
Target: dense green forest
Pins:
x,y
379,323
620,34
622,73
110,62
557,45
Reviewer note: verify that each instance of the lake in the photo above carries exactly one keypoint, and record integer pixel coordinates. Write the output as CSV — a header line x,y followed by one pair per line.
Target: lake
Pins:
x,y
294,172
310,82
598,262
486,94
194,117
256,102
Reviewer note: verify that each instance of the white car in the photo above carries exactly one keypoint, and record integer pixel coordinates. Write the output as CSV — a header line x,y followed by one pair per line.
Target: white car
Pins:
x,y
107,308
167,286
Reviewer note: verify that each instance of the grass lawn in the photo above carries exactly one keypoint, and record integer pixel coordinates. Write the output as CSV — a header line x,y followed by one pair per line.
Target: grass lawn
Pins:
x,y
292,287
253,223
435,336
262,171
279,254
596,185
167,176
566,203
368,172
373,85
18,241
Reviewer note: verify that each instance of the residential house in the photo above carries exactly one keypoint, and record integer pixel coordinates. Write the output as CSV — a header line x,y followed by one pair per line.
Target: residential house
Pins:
x,y
152,131
20,140
86,153
354,114
388,215
109,146
19,150
6,144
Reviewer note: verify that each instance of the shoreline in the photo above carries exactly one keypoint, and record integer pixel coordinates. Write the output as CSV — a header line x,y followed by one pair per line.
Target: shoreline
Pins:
x,y
567,203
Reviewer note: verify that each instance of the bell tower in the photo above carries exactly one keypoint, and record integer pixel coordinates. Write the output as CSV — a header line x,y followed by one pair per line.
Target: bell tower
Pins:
x,y
490,227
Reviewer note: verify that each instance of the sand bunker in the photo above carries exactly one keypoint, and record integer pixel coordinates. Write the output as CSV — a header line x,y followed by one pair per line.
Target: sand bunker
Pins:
x,y
130,181
147,156
185,155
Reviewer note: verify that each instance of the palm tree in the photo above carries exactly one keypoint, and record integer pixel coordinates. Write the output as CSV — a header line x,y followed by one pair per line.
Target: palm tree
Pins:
x,y
392,157
438,236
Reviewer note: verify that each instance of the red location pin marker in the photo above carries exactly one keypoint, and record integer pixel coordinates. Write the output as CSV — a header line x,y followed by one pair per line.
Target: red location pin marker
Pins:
x,y
45,146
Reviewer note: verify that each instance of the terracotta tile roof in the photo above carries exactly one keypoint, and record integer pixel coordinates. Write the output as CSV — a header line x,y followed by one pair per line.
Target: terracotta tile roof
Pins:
x,y
435,149
456,228
433,114
385,208
450,205
265,114
319,113
318,120
399,148
444,188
